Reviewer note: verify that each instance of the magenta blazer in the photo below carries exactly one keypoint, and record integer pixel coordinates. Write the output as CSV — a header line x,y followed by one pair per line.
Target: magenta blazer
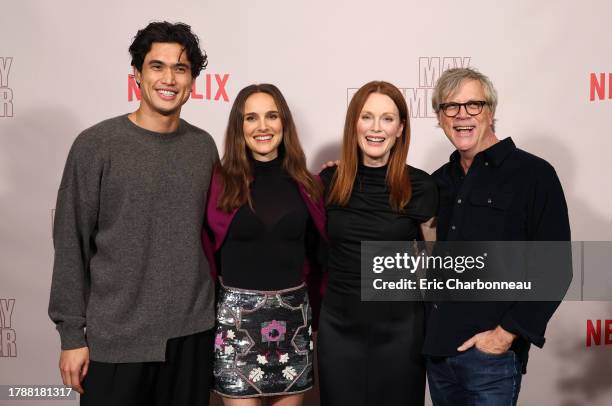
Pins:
x,y
218,223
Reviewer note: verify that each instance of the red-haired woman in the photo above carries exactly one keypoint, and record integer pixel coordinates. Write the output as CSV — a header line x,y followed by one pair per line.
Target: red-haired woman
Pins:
x,y
264,207
369,353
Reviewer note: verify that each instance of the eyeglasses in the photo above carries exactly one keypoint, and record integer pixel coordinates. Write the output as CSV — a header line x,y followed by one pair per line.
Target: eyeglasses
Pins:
x,y
472,107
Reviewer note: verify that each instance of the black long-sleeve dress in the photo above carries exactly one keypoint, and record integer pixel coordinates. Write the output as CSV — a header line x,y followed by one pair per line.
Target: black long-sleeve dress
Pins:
x,y
370,353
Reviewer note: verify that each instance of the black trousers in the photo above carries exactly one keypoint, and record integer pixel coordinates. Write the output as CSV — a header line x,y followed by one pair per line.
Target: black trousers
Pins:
x,y
183,379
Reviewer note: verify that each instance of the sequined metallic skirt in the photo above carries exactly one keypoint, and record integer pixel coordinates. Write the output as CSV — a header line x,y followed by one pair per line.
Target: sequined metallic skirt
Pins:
x,y
263,342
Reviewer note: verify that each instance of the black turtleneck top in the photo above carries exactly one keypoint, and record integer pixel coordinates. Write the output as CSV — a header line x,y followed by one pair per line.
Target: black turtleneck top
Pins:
x,y
264,248
368,216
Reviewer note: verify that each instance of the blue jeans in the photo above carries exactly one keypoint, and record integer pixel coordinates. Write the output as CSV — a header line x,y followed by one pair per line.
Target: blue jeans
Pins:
x,y
474,378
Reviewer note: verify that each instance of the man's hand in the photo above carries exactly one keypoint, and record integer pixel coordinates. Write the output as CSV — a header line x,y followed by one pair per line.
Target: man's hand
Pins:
x,y
496,341
73,366
330,164
428,229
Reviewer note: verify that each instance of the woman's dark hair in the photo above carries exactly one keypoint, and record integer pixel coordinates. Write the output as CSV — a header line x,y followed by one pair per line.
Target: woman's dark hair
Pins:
x,y
163,31
235,169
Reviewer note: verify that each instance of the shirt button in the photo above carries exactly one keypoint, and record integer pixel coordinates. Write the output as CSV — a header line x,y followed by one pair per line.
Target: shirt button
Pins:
x,y
459,201
453,227
486,164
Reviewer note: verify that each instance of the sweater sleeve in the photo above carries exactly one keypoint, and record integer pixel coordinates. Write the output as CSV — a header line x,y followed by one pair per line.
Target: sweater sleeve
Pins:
x,y
74,229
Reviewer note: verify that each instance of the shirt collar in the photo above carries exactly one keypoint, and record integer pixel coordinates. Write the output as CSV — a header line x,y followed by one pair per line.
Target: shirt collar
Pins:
x,y
495,154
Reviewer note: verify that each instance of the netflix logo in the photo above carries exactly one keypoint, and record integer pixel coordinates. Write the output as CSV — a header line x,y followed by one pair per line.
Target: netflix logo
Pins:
x,y
598,332
212,87
599,85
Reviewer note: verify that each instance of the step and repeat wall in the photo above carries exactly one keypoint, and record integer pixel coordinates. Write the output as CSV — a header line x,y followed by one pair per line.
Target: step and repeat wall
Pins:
x,y
64,66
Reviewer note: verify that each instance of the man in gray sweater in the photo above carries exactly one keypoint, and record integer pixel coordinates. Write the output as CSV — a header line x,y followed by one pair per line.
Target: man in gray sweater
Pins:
x,y
131,294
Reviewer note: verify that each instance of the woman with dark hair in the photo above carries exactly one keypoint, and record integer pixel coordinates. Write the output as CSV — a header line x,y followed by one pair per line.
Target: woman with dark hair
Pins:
x,y
369,353
264,208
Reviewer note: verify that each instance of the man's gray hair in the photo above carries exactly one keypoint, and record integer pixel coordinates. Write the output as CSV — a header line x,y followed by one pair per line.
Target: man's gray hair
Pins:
x,y
450,81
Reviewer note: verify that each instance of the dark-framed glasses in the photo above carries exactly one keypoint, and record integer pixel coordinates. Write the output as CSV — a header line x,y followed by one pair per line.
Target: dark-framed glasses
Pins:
x,y
472,107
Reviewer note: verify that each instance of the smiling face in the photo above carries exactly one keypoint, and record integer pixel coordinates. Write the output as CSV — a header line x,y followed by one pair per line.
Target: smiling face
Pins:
x,y
165,80
262,126
469,134
378,127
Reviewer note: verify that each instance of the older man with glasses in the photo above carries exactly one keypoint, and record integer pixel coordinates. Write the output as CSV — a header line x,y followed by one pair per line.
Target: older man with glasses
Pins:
x,y
489,191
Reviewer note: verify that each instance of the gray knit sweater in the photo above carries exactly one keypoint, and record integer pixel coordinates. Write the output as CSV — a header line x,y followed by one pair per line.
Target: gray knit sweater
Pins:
x,y
129,269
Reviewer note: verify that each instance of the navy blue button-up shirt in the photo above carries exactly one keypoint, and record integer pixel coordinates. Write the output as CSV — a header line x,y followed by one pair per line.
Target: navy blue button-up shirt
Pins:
x,y
506,195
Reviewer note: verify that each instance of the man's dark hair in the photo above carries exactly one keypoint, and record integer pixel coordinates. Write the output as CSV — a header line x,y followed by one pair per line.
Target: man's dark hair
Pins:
x,y
163,31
